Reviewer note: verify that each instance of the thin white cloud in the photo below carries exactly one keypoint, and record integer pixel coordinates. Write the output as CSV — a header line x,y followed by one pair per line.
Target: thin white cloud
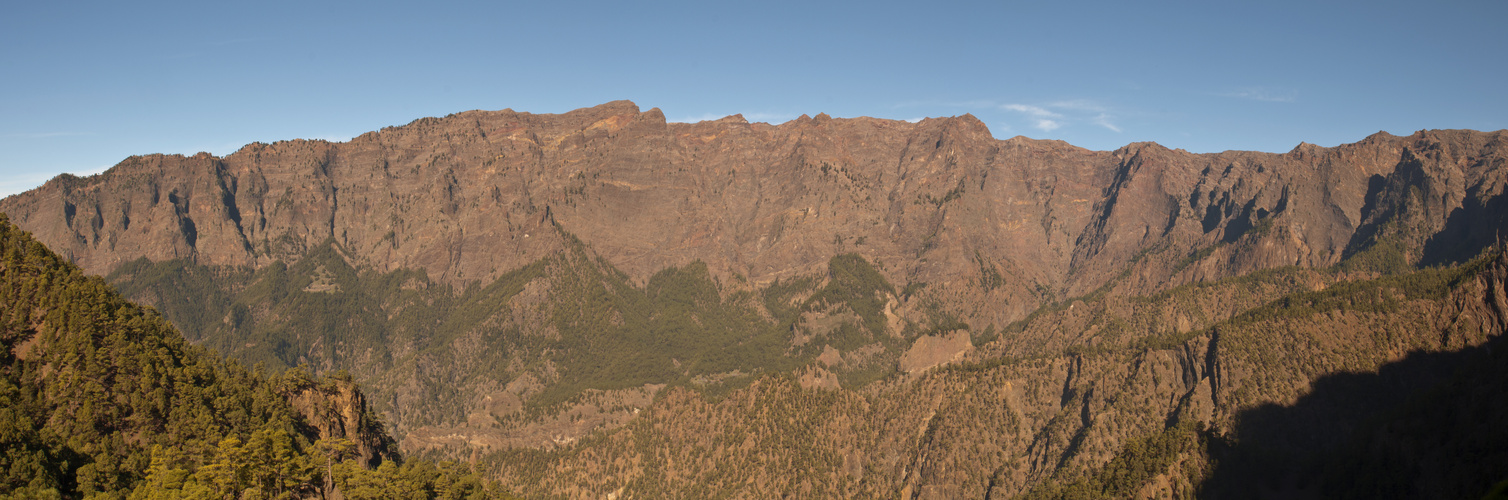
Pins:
x,y
1259,94
1045,120
1103,120
1058,114
1034,111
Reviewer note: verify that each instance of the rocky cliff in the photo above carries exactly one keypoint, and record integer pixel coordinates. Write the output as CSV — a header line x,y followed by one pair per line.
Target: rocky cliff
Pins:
x,y
337,409
965,315
467,197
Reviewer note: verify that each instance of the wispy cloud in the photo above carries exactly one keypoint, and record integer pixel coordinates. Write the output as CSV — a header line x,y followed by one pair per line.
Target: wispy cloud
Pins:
x,y
1045,120
1259,94
1054,115
1034,111
1103,120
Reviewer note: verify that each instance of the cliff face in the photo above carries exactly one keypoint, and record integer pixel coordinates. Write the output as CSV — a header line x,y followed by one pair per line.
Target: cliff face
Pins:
x,y
466,197
338,409
508,281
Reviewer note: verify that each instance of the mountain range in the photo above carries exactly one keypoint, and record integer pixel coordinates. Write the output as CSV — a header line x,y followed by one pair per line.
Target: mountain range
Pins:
x,y
603,303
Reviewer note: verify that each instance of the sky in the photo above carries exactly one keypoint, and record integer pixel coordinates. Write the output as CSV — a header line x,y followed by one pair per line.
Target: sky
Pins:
x,y
83,85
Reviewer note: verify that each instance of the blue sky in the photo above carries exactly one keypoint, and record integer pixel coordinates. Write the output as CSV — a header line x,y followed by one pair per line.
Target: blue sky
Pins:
x,y
84,85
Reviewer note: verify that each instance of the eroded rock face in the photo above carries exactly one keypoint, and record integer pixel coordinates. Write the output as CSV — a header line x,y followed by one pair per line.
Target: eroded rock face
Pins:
x,y
337,409
462,196
1013,222
963,225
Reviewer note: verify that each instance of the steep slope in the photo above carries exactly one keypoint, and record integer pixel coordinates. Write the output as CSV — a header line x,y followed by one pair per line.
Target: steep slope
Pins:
x,y
461,197
1367,389
100,398
518,283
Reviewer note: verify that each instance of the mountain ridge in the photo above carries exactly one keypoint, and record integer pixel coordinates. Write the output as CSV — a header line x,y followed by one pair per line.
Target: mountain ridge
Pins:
x,y
212,193
543,287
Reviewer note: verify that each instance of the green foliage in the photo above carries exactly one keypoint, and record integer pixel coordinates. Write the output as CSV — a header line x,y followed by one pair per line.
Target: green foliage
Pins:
x,y
782,298
193,296
102,398
989,335
1387,256
1202,253
952,194
607,333
1382,295
854,282
413,480
1137,463
615,336
1498,492
912,288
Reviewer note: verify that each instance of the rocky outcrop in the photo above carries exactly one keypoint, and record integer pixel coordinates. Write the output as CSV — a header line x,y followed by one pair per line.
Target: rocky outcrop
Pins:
x,y
1013,222
337,409
1048,301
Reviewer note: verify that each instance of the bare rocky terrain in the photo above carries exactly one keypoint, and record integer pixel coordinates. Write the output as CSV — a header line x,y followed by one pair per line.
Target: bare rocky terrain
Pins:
x,y
601,302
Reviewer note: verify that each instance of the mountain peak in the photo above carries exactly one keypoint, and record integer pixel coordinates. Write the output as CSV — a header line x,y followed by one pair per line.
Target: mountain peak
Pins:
x,y
755,278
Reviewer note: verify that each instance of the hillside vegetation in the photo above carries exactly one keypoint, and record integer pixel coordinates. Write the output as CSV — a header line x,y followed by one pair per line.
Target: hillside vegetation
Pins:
x,y
604,303
1375,387
100,398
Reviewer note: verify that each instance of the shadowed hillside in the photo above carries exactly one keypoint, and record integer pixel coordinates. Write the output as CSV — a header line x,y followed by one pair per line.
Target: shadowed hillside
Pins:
x,y
1426,426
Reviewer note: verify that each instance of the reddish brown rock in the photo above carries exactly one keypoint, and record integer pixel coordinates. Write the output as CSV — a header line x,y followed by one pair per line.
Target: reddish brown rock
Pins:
x,y
1012,222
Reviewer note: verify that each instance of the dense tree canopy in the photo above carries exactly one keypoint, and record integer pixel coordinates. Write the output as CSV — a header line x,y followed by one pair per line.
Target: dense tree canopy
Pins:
x,y
101,398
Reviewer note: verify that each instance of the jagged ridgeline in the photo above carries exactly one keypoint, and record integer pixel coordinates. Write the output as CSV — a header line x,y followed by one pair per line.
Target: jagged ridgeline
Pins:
x,y
604,303
101,398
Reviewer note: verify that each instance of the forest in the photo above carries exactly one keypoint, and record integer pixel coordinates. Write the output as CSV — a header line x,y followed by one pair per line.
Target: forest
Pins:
x,y
104,399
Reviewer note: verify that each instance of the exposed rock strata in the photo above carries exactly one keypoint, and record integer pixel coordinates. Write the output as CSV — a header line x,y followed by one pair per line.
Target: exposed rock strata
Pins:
x,y
1057,270
1012,222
